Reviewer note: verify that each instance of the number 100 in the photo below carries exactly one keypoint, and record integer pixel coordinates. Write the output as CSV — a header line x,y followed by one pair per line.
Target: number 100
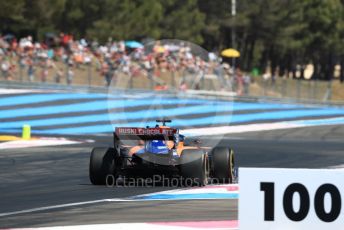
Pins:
x,y
319,205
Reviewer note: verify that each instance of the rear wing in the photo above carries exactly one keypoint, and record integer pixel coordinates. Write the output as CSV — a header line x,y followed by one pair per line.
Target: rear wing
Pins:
x,y
145,134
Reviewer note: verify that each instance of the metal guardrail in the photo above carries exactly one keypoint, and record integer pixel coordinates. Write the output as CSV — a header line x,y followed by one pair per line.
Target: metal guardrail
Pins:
x,y
189,93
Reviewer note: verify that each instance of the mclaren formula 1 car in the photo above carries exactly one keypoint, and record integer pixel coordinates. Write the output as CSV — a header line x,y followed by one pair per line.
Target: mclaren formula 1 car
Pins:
x,y
160,150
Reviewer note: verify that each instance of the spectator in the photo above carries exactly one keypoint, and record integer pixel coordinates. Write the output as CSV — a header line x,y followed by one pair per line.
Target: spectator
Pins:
x,y
44,72
183,86
105,72
5,68
30,70
240,81
247,82
70,76
58,75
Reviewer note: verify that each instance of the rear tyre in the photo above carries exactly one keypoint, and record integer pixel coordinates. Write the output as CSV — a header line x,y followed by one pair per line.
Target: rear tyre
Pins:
x,y
223,164
194,168
102,164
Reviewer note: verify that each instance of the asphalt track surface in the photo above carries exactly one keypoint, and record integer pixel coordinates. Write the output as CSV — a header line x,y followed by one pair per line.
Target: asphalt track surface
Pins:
x,y
46,176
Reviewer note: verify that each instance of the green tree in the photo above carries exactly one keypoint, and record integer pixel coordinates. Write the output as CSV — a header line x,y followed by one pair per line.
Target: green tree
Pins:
x,y
128,19
323,19
41,16
312,33
79,15
182,20
216,13
11,15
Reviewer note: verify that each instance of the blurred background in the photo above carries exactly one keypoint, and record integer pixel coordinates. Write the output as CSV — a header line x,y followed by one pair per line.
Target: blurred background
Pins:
x,y
276,48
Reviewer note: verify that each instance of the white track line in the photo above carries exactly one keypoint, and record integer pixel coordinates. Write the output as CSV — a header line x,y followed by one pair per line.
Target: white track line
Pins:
x,y
20,91
58,206
221,130
40,143
239,129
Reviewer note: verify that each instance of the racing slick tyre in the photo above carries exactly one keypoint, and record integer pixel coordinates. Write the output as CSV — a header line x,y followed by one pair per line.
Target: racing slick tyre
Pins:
x,y
194,168
223,164
102,164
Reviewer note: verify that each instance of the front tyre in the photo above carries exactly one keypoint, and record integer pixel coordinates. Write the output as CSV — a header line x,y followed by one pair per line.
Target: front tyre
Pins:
x,y
102,164
223,164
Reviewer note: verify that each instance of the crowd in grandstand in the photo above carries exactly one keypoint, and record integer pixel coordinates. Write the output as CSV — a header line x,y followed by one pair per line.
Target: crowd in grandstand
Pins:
x,y
61,55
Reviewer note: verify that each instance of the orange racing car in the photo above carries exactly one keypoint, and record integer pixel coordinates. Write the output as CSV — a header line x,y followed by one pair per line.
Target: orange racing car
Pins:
x,y
162,150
